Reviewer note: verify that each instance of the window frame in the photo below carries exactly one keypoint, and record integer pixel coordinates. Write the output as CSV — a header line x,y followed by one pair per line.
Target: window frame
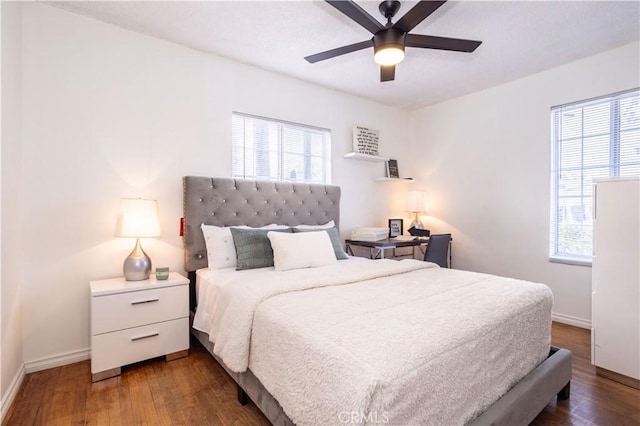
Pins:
x,y
281,152
614,164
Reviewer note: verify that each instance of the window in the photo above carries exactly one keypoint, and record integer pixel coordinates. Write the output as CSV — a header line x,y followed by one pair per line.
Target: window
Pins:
x,y
278,150
590,139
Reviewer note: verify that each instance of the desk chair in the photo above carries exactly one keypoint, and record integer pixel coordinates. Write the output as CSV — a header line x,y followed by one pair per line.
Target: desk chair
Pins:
x,y
438,250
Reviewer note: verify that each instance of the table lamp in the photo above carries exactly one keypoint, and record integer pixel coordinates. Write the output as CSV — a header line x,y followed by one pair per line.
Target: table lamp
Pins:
x,y
137,219
417,203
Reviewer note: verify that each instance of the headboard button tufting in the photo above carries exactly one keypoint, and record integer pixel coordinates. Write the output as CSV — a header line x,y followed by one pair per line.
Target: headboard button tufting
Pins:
x,y
228,202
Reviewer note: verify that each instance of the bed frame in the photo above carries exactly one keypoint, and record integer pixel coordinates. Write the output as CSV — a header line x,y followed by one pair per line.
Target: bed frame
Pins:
x,y
228,202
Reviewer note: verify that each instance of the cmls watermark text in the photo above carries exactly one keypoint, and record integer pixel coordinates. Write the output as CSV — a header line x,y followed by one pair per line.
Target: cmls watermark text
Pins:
x,y
358,417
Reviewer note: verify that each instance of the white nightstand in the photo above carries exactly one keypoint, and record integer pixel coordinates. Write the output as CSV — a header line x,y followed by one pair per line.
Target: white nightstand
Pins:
x,y
136,320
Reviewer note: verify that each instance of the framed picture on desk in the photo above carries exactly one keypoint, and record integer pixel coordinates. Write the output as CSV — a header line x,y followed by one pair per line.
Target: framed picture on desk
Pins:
x,y
395,227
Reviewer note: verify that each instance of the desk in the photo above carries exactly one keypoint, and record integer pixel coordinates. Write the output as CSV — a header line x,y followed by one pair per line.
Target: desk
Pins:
x,y
380,246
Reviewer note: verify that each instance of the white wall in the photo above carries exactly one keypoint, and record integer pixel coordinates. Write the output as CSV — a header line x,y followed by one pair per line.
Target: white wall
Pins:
x,y
109,113
11,242
485,162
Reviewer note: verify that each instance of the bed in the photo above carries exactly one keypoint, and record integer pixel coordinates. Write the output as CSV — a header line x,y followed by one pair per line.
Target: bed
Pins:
x,y
362,341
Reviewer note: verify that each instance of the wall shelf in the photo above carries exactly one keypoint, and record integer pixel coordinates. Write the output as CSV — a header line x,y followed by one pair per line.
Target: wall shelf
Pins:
x,y
364,157
388,179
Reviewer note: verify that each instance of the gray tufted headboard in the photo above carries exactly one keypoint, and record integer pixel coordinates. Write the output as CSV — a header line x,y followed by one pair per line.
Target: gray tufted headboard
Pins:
x,y
228,202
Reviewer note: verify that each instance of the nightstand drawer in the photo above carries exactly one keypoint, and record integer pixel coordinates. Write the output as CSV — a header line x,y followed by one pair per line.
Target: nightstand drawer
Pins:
x,y
123,347
126,310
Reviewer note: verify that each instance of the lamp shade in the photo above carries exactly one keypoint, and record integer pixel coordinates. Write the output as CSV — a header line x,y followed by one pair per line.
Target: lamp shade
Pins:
x,y
417,202
138,218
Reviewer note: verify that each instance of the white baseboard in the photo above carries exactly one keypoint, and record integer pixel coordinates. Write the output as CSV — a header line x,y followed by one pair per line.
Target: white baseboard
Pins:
x,y
57,360
568,319
8,398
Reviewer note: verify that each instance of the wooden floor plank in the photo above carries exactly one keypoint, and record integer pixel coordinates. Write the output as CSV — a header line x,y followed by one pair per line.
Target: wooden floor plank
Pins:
x,y
196,390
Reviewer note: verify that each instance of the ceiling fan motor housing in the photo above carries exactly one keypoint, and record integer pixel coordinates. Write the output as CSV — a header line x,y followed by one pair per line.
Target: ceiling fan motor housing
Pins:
x,y
390,37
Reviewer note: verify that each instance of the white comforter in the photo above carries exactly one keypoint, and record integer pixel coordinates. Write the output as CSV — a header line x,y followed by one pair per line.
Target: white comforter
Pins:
x,y
240,293
401,344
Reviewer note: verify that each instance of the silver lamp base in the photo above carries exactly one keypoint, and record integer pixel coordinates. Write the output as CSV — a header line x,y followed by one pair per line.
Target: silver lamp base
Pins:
x,y
137,266
416,223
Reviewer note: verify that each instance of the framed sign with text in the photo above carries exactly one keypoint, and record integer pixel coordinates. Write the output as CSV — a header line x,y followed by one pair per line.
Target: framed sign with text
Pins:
x,y
392,169
365,141
395,227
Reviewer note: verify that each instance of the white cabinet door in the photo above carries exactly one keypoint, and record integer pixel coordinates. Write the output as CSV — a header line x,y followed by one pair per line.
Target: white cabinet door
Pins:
x,y
616,276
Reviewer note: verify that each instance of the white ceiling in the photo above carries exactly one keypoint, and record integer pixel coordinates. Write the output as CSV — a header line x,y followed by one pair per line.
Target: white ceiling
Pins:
x,y
519,38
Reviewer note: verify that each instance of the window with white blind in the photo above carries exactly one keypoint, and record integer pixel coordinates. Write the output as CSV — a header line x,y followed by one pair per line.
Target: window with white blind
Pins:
x,y
590,139
264,148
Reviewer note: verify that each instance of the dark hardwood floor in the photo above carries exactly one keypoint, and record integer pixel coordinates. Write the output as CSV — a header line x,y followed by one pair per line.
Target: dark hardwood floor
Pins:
x,y
190,391
197,391
594,400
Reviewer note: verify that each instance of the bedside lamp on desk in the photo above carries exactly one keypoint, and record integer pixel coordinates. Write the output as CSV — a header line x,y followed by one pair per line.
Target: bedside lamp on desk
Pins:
x,y
417,203
137,219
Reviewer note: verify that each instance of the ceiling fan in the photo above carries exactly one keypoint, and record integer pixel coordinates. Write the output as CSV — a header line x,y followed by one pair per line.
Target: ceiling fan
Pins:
x,y
389,41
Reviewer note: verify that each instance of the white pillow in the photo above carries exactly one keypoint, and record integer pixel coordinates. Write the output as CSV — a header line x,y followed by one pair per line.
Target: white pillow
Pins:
x,y
327,225
302,250
221,251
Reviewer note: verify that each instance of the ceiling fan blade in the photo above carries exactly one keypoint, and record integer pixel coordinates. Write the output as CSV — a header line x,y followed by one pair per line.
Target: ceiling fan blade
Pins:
x,y
338,51
441,43
387,72
417,14
357,14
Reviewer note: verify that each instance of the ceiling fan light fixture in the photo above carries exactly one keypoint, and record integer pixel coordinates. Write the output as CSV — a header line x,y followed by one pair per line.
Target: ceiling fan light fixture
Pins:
x,y
388,46
389,55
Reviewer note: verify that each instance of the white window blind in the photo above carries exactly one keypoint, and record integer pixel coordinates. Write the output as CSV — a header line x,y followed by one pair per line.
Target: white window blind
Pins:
x,y
590,139
264,148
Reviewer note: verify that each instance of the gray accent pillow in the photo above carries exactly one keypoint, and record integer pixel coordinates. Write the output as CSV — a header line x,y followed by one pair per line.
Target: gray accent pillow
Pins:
x,y
336,242
253,248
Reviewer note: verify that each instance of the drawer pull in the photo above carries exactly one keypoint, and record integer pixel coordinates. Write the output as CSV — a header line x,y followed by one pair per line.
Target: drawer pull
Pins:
x,y
133,339
140,302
